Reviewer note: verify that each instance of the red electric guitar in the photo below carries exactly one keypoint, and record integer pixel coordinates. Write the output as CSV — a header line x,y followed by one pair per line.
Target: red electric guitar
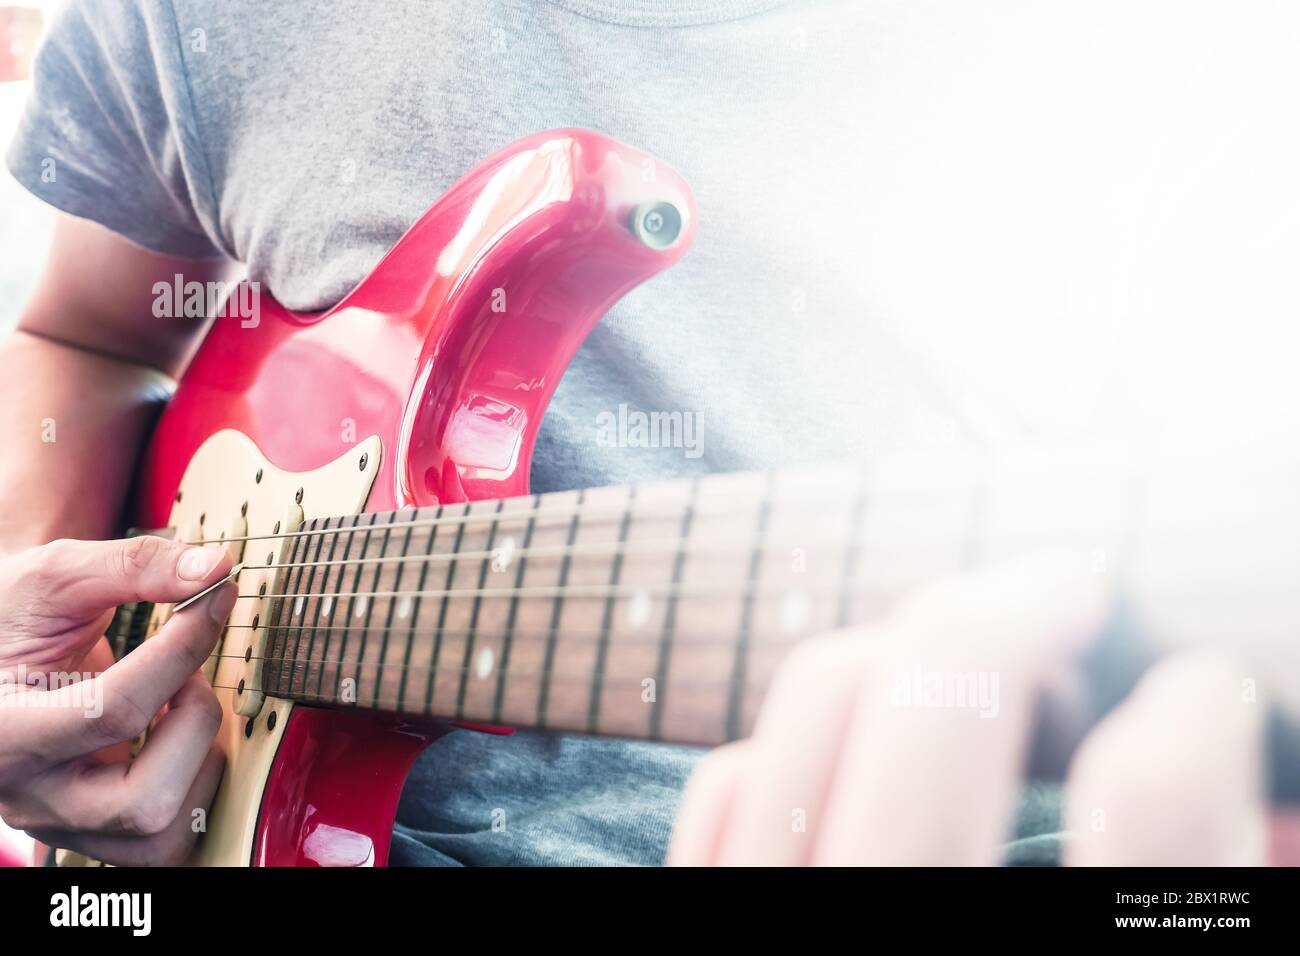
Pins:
x,y
368,467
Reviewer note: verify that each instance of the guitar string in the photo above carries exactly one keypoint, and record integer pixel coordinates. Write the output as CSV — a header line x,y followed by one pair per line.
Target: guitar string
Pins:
x,y
573,591
440,520
593,549
602,549
780,642
567,633
303,664
844,481
553,676
567,638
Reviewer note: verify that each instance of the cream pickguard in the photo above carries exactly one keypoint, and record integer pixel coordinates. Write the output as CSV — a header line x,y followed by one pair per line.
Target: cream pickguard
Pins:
x,y
231,491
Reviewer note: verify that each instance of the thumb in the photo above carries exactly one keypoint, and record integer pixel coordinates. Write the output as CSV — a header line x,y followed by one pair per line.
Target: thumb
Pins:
x,y
83,578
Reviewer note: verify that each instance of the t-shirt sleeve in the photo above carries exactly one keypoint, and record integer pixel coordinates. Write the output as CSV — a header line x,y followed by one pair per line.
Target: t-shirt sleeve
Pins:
x,y
108,132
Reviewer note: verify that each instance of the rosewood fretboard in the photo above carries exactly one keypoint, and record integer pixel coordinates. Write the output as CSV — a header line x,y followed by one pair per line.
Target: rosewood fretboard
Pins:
x,y
656,612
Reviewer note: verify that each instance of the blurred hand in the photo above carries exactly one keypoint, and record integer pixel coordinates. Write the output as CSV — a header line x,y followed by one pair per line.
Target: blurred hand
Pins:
x,y
905,745
64,704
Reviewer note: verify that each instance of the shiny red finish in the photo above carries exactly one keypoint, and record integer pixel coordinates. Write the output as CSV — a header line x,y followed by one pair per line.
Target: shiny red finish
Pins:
x,y
333,792
449,351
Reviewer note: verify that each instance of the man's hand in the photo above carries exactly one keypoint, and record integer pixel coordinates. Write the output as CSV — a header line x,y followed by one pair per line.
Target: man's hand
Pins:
x,y
860,757
63,708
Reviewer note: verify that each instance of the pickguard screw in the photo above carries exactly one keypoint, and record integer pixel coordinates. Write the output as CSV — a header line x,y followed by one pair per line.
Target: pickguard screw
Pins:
x,y
257,478
298,497
361,466
270,722
178,496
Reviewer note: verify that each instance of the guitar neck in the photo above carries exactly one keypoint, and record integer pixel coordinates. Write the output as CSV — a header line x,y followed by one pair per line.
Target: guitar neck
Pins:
x,y
658,611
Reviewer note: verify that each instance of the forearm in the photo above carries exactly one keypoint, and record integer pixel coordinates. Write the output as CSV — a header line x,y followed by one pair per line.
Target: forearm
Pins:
x,y
72,423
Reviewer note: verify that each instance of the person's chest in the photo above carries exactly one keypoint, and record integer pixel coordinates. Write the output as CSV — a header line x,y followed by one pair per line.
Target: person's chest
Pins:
x,y
919,221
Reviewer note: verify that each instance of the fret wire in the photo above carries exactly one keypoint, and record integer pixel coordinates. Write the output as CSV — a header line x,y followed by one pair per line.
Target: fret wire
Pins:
x,y
370,605
293,666
607,616
338,610
279,605
442,611
352,602
336,604
392,608
504,664
735,698
557,605
474,611
301,645
670,616
415,617
284,675
306,643
274,637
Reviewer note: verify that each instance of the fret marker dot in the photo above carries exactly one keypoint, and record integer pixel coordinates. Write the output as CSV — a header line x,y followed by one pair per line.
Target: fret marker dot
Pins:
x,y
483,665
794,612
404,607
298,605
638,609
359,608
503,555
326,606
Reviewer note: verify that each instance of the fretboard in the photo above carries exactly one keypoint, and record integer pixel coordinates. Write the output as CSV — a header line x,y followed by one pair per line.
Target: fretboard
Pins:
x,y
655,612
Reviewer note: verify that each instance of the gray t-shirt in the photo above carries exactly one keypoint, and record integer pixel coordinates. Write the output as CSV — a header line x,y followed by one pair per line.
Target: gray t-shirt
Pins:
x,y
889,192
303,139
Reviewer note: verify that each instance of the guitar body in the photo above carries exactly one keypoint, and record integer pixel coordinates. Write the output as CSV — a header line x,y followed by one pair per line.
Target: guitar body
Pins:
x,y
426,385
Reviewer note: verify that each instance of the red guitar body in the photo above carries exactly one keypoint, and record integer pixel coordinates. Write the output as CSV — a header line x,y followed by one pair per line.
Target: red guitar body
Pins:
x,y
449,352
